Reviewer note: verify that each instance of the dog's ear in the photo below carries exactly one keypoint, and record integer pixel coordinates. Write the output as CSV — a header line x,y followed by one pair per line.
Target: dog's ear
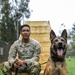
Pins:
x,y
52,35
64,34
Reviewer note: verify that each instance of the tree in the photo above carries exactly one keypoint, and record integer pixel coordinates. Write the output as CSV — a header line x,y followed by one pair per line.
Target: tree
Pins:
x,y
20,8
7,27
11,13
72,38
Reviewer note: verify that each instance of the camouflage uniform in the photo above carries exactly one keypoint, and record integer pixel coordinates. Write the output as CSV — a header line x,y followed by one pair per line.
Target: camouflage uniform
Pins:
x,y
28,52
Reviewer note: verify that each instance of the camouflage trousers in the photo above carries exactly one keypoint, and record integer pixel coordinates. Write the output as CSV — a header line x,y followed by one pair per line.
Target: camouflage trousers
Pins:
x,y
31,69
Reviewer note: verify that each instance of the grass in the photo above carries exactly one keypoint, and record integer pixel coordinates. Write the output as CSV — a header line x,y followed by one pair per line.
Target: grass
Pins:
x,y
71,66
1,72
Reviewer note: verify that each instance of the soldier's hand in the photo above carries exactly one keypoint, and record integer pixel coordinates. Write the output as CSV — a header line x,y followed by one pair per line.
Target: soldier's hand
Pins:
x,y
16,65
21,62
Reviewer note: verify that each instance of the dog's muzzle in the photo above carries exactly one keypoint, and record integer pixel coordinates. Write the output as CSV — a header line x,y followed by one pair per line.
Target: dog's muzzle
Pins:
x,y
60,48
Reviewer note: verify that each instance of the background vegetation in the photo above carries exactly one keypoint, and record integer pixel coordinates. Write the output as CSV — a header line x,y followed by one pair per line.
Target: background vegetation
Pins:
x,y
11,13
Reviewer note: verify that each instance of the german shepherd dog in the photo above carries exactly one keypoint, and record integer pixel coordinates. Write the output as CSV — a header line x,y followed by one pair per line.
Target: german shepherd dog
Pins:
x,y
56,64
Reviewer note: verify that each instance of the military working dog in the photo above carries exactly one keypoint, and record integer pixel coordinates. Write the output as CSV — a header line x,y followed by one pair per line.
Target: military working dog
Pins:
x,y
56,64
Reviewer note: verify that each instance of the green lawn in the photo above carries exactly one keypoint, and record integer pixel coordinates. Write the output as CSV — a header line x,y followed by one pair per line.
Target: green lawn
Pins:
x,y
71,66
1,72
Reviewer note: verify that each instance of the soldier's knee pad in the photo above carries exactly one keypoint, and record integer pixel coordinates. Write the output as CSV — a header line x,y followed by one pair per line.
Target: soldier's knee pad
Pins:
x,y
36,66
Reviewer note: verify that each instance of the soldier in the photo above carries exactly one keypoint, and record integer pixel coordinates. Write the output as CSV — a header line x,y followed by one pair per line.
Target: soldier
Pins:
x,y
28,51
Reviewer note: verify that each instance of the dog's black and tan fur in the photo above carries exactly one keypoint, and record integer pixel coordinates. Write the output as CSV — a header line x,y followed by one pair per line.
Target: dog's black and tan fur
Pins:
x,y
56,64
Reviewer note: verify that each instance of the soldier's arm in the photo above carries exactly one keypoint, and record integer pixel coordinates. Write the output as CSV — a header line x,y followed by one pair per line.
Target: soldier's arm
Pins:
x,y
12,53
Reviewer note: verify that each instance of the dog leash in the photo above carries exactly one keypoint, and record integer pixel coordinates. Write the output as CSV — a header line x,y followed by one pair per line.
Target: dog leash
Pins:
x,y
43,63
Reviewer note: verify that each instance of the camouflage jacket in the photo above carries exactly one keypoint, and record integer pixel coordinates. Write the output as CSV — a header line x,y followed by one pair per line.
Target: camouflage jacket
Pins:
x,y
28,52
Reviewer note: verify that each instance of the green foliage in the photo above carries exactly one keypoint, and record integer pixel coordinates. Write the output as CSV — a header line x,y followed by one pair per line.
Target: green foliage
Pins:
x,y
72,38
11,13
20,9
7,28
